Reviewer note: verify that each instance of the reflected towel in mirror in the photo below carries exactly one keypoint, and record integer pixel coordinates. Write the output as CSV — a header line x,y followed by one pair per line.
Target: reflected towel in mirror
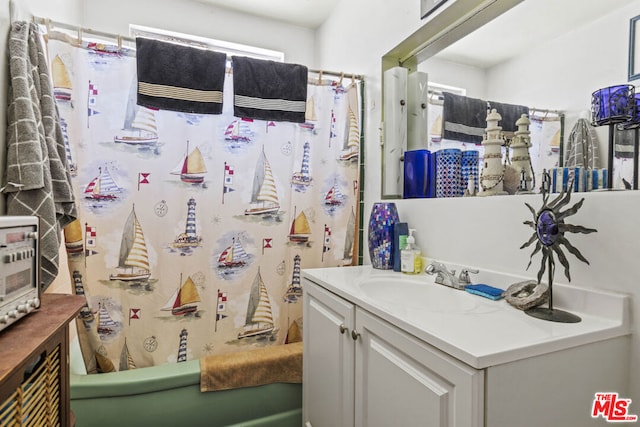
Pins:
x,y
510,114
464,119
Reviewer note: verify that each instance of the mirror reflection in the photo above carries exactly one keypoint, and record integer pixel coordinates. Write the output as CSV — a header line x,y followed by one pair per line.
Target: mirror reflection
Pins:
x,y
546,65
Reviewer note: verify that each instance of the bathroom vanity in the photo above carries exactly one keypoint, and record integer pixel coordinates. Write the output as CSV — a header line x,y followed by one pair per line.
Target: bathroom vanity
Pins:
x,y
383,348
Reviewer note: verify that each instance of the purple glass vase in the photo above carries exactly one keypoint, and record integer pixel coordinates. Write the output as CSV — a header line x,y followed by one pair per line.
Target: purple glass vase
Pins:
x,y
380,238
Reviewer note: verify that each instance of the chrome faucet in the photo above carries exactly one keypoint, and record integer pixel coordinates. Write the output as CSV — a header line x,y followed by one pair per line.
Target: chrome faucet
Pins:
x,y
464,278
448,278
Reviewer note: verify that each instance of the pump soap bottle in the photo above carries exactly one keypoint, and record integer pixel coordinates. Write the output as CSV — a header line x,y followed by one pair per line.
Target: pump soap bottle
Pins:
x,y
410,257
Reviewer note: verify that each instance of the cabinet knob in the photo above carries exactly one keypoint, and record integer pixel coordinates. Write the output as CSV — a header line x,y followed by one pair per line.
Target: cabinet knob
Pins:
x,y
343,329
355,334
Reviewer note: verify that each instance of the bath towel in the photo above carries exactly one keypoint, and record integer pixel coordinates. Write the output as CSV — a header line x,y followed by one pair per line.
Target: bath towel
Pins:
x,y
269,90
38,181
179,78
624,140
510,114
582,146
273,364
464,119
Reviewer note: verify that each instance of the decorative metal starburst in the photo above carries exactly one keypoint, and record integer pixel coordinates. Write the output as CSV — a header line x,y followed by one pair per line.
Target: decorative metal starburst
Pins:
x,y
549,228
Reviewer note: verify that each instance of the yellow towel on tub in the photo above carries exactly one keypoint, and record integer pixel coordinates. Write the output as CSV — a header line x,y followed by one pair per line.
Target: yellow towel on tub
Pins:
x,y
273,364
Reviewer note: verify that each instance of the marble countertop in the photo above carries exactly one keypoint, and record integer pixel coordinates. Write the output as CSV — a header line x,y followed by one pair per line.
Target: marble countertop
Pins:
x,y
476,330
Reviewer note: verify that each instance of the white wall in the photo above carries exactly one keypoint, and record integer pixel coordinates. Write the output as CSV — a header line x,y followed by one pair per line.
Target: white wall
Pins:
x,y
471,78
354,39
562,73
487,232
192,17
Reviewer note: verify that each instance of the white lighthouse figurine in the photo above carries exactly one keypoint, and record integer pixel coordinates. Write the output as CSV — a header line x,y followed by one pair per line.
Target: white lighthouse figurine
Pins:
x,y
520,157
492,177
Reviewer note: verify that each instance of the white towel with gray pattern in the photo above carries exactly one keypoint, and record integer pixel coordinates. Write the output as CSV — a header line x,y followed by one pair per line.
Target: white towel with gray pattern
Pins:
x,y
37,180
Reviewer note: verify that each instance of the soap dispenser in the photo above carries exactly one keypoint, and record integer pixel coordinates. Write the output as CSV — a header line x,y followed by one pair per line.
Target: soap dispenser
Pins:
x,y
410,257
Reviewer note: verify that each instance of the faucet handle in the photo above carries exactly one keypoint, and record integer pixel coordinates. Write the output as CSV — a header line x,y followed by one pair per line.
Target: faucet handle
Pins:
x,y
464,275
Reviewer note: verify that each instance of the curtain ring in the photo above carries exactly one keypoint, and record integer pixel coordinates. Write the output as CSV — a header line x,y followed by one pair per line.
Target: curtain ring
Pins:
x,y
341,77
320,77
119,42
79,35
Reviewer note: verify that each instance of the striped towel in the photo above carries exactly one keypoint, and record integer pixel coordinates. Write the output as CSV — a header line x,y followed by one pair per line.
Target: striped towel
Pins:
x,y
179,78
269,90
464,119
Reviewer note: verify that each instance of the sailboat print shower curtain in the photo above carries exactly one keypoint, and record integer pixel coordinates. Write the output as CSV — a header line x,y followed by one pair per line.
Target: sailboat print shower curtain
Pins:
x,y
194,228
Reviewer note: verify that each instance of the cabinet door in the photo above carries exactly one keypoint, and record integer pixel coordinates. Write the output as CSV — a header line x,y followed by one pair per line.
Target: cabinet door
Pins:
x,y
328,359
402,381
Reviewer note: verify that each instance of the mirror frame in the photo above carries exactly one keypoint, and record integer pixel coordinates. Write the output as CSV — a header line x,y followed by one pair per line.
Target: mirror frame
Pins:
x,y
634,47
451,22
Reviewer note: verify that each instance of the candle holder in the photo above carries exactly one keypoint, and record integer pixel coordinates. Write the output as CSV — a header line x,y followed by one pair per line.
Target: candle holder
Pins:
x,y
634,124
611,106
448,172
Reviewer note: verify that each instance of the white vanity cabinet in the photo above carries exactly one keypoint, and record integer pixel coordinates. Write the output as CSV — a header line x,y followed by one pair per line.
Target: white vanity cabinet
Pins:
x,y
360,370
329,354
385,349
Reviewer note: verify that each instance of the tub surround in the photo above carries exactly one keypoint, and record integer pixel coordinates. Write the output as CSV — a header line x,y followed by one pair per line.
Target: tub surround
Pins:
x,y
476,330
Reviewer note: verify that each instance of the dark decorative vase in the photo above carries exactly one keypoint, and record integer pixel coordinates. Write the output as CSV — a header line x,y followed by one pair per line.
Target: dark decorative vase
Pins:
x,y
381,221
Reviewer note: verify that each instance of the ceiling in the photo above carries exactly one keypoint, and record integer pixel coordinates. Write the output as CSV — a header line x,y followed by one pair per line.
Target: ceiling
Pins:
x,y
527,24
304,13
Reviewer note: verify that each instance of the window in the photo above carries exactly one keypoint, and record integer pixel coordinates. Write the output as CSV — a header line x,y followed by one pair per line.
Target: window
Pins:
x,y
218,45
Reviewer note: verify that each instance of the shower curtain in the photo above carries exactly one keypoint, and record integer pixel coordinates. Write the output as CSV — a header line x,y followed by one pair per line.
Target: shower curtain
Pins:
x,y
193,228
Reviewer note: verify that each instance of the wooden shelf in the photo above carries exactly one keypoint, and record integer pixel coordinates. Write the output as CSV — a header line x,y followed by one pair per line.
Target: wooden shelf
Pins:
x,y
32,340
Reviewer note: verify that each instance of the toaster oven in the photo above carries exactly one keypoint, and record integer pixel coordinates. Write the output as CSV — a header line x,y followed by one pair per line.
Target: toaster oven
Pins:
x,y
19,268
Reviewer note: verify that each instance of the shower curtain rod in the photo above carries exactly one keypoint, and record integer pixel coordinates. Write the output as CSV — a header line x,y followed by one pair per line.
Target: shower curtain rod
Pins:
x,y
545,111
80,30
48,23
438,101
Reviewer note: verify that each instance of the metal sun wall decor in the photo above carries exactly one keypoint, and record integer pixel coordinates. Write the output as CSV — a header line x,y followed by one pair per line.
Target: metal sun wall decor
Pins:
x,y
549,228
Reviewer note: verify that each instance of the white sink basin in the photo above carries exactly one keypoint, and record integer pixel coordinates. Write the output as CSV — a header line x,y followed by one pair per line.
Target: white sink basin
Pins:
x,y
418,292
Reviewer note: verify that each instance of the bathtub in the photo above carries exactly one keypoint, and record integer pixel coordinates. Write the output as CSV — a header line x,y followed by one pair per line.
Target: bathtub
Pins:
x,y
169,395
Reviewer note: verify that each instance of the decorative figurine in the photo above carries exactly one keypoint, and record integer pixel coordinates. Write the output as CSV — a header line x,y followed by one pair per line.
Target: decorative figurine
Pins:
x,y
549,228
520,158
491,179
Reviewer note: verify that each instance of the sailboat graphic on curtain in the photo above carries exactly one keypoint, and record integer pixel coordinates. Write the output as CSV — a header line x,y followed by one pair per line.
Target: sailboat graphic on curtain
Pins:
x,y
133,261
192,167
264,196
102,187
259,320
172,258
139,128
184,300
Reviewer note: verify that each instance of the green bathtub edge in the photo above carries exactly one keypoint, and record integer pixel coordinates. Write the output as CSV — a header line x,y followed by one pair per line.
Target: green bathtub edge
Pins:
x,y
169,395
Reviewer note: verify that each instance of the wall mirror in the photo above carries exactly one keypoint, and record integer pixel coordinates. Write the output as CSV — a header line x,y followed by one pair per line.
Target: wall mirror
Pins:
x,y
544,54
